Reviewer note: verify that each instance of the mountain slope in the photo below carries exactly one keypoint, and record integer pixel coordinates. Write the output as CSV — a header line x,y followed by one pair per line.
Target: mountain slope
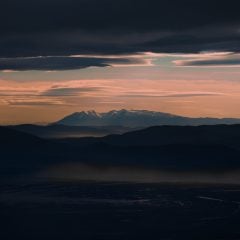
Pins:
x,y
10,138
164,135
21,152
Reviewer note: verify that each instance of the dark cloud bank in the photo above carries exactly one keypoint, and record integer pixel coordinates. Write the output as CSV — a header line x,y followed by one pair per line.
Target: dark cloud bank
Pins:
x,y
226,61
31,28
62,63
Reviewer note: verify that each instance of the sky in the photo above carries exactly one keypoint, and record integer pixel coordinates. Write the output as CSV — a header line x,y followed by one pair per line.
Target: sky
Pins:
x,y
63,56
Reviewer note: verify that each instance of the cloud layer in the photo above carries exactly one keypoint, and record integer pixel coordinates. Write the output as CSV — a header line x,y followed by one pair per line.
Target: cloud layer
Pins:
x,y
66,27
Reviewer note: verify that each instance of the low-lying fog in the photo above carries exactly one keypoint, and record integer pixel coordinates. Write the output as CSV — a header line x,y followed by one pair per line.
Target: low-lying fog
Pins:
x,y
80,172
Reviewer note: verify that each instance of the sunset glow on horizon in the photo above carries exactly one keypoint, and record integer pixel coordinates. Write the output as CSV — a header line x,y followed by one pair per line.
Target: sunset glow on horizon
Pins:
x,y
59,57
196,91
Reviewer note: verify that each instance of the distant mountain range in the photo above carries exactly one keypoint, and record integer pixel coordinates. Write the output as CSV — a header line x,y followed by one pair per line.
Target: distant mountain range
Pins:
x,y
137,118
93,124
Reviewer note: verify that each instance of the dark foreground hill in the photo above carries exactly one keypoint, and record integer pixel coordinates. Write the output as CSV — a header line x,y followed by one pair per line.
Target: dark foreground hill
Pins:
x,y
10,138
177,149
21,152
158,183
228,135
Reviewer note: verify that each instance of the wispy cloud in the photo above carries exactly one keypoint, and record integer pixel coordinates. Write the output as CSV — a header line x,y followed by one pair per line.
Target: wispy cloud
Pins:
x,y
33,101
171,95
69,91
215,60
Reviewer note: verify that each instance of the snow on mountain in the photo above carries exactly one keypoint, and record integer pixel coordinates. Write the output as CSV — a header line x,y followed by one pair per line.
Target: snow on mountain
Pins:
x,y
136,118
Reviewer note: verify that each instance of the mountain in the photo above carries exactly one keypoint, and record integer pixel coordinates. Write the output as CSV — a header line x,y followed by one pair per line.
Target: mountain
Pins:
x,y
137,118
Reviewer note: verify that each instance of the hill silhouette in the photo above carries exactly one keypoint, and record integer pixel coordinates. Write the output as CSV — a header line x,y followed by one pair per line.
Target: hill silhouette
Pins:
x,y
169,148
228,135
